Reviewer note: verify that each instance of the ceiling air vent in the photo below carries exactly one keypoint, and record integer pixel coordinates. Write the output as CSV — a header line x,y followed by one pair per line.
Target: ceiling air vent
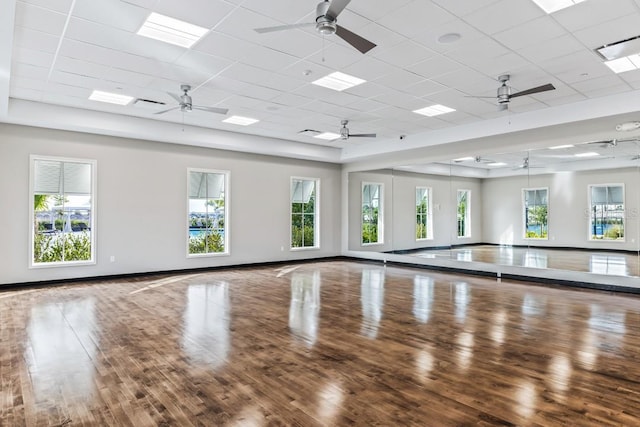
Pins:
x,y
309,132
148,104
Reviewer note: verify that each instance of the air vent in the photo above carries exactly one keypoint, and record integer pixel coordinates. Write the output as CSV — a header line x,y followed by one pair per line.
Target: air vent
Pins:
x,y
147,104
309,132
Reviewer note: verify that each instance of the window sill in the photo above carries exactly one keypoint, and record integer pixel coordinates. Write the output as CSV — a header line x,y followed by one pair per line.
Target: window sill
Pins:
x,y
305,248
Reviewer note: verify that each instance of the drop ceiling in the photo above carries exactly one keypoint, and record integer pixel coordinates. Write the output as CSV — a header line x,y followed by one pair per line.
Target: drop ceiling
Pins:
x,y
59,51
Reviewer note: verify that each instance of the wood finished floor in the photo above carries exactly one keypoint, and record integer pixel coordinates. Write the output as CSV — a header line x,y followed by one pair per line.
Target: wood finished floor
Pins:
x,y
329,343
592,261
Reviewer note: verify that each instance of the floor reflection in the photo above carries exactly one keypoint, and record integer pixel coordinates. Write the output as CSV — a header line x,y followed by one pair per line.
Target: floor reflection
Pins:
x,y
62,342
206,323
462,299
372,297
608,264
535,259
305,306
422,297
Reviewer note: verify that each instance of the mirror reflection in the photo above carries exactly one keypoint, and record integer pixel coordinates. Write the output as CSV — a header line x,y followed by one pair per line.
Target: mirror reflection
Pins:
x,y
568,207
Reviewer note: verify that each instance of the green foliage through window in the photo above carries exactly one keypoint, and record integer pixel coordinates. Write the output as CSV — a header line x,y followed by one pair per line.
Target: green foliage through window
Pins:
x,y
303,213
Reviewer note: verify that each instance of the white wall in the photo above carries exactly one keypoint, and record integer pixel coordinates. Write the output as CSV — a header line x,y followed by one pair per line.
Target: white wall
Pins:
x,y
568,208
399,209
141,203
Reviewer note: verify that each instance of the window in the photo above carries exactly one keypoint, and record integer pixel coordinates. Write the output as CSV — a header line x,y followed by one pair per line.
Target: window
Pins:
x,y
463,213
62,206
424,229
208,212
606,217
304,202
371,213
536,203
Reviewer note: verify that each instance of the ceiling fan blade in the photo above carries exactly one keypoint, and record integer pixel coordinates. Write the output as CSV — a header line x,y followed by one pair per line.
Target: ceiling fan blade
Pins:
x,y
176,97
362,135
531,91
283,27
336,7
211,109
167,110
360,43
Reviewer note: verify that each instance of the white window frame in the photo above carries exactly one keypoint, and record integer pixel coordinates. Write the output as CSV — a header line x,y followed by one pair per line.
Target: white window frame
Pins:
x,y
429,215
624,209
227,220
524,213
467,234
380,213
316,215
93,222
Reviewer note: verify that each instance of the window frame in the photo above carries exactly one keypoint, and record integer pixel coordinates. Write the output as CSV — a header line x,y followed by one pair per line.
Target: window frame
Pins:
x,y
429,214
380,230
524,213
316,215
590,236
467,227
92,215
227,220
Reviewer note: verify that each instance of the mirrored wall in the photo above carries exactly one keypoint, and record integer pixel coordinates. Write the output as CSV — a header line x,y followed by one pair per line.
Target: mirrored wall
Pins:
x,y
569,208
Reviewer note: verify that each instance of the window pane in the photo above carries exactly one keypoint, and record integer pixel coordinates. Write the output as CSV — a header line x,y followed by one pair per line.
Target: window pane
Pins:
x,y
536,213
63,211
607,212
303,213
371,213
207,212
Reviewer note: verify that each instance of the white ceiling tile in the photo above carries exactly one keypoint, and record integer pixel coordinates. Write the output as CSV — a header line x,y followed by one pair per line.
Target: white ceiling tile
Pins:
x,y
630,76
335,57
598,83
429,13
329,110
400,100
101,35
153,49
258,92
532,32
429,38
32,57
88,52
28,83
203,63
434,67
368,90
268,59
465,80
424,88
226,84
22,93
367,105
57,5
503,15
299,43
376,9
40,19
400,79
224,46
306,71
35,40
369,68
238,101
282,83
593,12
610,32
607,91
291,100
241,23
83,68
147,4
244,73
286,12
504,64
480,49
134,79
382,37
74,80
404,54
29,71
112,13
554,48
68,90
463,7
205,13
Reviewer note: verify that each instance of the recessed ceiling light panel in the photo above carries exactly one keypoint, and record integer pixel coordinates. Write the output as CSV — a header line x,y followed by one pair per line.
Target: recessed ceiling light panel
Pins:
x,y
239,120
171,30
434,110
621,65
338,81
551,6
496,164
111,98
464,159
559,147
588,154
329,136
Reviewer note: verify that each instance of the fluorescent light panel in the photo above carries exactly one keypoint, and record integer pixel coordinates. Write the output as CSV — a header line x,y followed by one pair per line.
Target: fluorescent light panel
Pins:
x,y
242,121
329,136
111,98
434,110
626,63
559,147
464,159
171,30
338,81
551,6
588,154
497,164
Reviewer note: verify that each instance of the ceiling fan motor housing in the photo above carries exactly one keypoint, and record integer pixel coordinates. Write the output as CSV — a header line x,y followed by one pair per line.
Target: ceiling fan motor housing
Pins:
x,y
324,24
504,93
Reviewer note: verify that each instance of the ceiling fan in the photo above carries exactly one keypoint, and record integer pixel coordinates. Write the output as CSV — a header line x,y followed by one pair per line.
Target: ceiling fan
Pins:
x,y
345,135
504,94
326,24
185,104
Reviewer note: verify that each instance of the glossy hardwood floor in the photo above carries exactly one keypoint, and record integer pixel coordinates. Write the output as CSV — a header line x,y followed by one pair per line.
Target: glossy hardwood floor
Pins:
x,y
327,343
